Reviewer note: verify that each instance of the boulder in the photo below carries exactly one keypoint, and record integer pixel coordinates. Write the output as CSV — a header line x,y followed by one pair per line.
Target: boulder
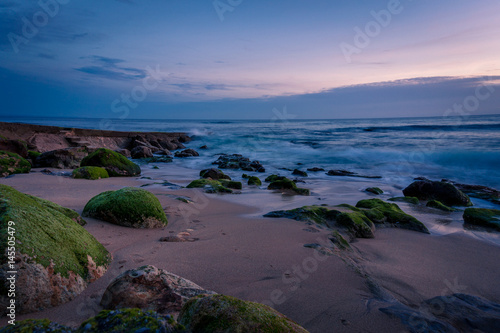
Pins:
x,y
209,186
141,152
167,145
480,191
124,152
237,161
288,186
203,147
90,172
115,164
66,158
128,207
298,172
214,173
445,192
374,190
220,313
186,153
12,163
253,180
55,256
489,218
231,184
150,288
14,146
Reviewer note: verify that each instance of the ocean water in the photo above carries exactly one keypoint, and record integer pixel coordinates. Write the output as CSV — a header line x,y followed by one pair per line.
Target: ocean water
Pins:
x,y
460,149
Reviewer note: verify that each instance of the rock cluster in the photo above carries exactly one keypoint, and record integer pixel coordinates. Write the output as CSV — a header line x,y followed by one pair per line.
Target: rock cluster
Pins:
x,y
237,161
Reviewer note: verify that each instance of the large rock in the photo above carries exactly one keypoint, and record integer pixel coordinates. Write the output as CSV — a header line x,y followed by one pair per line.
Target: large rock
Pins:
x,y
237,161
141,152
14,146
55,257
219,313
214,173
286,185
150,288
67,158
187,153
129,207
489,218
480,191
90,172
444,192
116,164
12,163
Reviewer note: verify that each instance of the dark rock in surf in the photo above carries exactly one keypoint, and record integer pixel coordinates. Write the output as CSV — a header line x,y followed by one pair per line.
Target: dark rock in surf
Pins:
x,y
444,192
345,173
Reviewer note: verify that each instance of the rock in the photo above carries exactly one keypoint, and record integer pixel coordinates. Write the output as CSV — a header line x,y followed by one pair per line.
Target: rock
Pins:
x,y
124,152
150,288
156,159
129,320
90,172
348,174
210,186
390,214
411,200
315,169
438,205
165,152
167,145
441,191
55,256
14,146
273,178
67,158
141,152
186,153
287,185
32,155
115,164
489,218
214,174
219,313
298,172
253,180
12,163
36,326
374,190
128,207
203,147
142,143
231,184
237,161
480,192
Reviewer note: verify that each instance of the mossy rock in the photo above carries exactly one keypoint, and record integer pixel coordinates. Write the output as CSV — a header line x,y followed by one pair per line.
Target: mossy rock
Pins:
x,y
129,207
36,326
489,218
444,192
231,184
410,200
129,320
253,180
394,216
339,241
33,154
286,184
90,172
439,205
245,176
273,178
374,190
115,163
209,185
219,313
12,163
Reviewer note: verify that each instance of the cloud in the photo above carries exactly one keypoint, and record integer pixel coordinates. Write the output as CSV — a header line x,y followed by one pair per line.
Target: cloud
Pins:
x,y
108,68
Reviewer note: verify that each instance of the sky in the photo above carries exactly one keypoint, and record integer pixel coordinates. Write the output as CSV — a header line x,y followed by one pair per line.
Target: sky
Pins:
x,y
240,59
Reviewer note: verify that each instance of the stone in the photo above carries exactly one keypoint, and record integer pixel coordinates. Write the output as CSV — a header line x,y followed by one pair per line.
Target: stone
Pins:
x,y
14,146
445,192
410,200
214,174
90,172
237,161
12,163
482,217
438,205
315,169
141,152
209,186
287,185
187,153
115,164
66,158
254,180
298,172
374,190
346,173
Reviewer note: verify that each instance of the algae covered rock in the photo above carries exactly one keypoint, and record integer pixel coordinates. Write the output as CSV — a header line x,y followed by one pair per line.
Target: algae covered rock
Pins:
x,y
150,288
283,183
115,164
36,326
12,163
410,200
253,180
128,207
439,205
214,173
231,184
55,256
129,320
444,192
374,190
90,172
219,313
489,218
210,186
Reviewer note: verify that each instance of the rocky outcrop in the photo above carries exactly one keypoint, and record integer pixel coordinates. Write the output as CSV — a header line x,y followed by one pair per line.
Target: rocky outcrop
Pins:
x,y
128,207
67,158
482,217
444,192
219,313
90,172
237,161
150,288
479,191
214,174
12,163
115,164
14,146
187,153
55,257
346,173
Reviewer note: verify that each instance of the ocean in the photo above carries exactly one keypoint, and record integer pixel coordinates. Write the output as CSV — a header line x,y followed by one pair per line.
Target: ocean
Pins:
x,y
465,150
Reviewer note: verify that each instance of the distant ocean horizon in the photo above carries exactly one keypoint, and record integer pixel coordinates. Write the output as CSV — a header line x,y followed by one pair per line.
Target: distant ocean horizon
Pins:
x,y
463,149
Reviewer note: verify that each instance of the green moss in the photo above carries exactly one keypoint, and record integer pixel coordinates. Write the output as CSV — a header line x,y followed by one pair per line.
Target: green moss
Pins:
x,y
12,163
33,154
211,186
231,184
374,190
36,326
90,172
482,217
219,313
339,240
129,206
115,163
47,232
438,205
411,200
393,214
273,178
356,222
129,320
245,176
284,183
253,180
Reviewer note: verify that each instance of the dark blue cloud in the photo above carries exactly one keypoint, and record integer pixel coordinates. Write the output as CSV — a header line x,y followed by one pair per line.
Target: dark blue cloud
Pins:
x,y
108,68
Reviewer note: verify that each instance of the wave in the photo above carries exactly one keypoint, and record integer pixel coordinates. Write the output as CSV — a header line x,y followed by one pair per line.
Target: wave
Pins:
x,y
432,127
